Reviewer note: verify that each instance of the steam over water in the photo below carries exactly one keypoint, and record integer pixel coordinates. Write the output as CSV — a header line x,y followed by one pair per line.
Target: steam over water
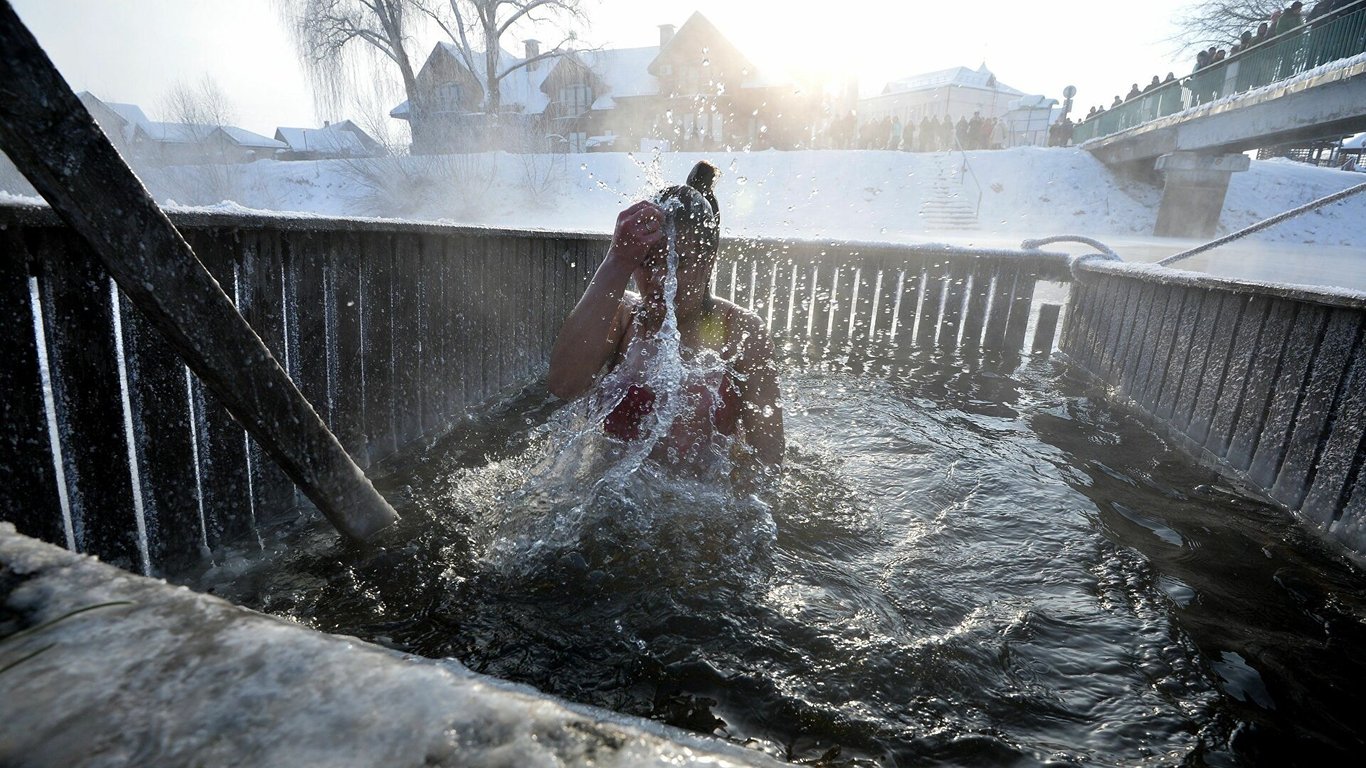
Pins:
x,y
982,567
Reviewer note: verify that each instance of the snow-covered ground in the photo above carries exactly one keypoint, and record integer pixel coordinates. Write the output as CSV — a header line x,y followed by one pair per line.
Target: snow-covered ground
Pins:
x,y
861,195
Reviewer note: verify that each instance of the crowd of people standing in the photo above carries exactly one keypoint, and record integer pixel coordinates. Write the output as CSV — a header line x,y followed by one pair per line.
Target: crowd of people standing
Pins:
x,y
1307,54
929,134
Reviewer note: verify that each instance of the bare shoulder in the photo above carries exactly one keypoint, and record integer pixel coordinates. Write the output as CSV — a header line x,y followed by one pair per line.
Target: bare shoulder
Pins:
x,y
748,333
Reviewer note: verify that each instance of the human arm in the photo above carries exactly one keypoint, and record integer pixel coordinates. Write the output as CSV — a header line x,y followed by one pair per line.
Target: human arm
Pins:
x,y
591,334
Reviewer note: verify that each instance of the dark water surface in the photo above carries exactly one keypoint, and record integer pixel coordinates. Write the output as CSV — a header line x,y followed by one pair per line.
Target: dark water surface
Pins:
x,y
961,567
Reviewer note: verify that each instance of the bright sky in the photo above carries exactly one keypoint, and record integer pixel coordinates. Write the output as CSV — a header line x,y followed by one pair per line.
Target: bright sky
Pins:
x,y
137,50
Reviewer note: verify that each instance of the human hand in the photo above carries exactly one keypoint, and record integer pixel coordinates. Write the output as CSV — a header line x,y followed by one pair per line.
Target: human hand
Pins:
x,y
639,233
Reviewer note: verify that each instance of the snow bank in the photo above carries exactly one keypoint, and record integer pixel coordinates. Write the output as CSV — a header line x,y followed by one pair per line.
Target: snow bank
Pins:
x,y
856,195
160,675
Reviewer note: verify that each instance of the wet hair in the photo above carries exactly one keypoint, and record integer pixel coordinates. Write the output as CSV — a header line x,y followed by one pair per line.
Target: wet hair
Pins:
x,y
696,212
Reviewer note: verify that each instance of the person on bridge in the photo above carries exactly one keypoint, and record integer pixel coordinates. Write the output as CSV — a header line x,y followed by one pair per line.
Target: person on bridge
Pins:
x,y
611,342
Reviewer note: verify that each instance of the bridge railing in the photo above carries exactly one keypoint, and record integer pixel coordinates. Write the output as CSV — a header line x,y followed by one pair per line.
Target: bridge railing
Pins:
x,y
1338,35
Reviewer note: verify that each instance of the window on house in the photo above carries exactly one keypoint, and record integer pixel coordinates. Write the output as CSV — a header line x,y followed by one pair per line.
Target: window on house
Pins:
x,y
448,97
576,99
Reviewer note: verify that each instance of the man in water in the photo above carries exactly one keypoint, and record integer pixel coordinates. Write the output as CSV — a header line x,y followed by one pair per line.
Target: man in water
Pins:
x,y
611,343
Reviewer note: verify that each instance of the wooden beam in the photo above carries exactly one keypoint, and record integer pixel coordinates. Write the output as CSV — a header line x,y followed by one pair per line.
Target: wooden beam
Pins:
x,y
57,145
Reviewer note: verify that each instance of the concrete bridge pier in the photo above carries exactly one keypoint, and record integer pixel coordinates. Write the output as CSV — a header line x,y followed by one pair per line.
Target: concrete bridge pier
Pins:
x,y
1194,187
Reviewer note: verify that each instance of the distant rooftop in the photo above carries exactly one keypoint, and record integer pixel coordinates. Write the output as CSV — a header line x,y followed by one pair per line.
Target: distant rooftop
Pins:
x,y
962,77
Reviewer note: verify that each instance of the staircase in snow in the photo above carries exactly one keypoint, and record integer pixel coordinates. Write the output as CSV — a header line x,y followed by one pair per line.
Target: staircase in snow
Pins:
x,y
948,206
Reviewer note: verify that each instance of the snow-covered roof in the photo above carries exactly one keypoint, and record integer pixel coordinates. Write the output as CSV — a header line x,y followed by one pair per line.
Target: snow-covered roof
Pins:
x,y
957,76
624,71
132,113
244,138
520,88
176,133
331,140
1355,142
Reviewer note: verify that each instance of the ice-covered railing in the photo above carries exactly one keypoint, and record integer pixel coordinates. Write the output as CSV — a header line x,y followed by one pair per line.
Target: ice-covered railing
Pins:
x,y
393,331
1337,35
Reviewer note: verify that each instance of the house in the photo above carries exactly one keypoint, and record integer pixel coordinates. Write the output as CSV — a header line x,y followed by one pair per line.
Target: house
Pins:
x,y
957,92
344,139
694,90
164,143
230,144
118,121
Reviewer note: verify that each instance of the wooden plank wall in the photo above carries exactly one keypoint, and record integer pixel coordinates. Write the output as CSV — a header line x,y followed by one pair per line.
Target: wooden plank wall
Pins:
x,y
1270,385
822,300
391,333
110,446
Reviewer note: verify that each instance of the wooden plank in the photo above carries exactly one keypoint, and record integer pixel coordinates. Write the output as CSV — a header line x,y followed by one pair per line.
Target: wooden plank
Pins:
x,y
346,265
1177,368
1144,311
437,345
1021,303
741,271
889,313
485,323
177,533
1288,393
1242,356
979,297
407,343
29,496
1157,344
955,294
1118,349
848,303
1045,329
768,278
76,313
309,319
380,428
264,292
229,505
1261,382
1212,383
1078,293
824,278
931,306
1198,363
1002,291
1322,402
784,299
1337,467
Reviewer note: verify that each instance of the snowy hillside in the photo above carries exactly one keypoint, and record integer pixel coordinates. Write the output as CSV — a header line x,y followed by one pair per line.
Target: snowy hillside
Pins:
x,y
864,195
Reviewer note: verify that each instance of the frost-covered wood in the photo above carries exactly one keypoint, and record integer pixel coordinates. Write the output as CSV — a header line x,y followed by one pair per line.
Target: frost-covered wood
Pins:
x,y
57,145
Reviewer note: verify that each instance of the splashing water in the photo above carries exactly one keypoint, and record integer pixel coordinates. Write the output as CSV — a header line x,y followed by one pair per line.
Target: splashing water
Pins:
x,y
595,503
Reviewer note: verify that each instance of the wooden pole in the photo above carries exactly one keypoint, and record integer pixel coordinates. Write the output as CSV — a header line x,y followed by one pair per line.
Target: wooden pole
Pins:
x,y
54,141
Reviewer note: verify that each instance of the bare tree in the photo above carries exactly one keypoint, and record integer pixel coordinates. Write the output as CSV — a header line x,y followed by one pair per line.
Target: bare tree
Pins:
x,y
201,107
477,28
343,42
1221,22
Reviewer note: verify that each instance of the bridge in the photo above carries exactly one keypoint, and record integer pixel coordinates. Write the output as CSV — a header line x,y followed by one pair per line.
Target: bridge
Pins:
x,y
1305,84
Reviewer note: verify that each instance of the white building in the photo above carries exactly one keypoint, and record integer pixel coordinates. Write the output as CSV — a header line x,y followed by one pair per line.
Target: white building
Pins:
x,y
956,92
